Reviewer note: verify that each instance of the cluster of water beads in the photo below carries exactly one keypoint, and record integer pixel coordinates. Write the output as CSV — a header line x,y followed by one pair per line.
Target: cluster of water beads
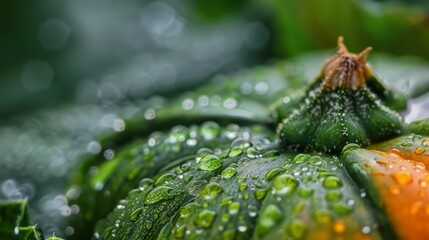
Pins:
x,y
295,190
207,160
229,201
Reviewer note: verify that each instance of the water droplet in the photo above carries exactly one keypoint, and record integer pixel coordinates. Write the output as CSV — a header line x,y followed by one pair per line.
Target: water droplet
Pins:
x,y
332,182
272,153
226,201
205,218
234,208
150,114
210,163
268,219
135,214
341,208
284,183
350,147
180,232
230,103
261,88
251,152
339,227
229,172
242,228
210,130
300,158
366,230
202,152
241,179
242,142
119,125
305,192
228,234
260,194
323,217
187,104
94,147
145,183
158,194
180,133
188,209
425,142
297,229
243,187
191,142
394,190
406,144
109,154
333,196
211,190
419,151
272,173
235,151
165,178
402,178
246,88
423,183
315,160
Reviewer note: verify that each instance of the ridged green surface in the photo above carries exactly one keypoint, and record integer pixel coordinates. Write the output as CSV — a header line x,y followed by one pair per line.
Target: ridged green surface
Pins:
x,y
314,198
153,205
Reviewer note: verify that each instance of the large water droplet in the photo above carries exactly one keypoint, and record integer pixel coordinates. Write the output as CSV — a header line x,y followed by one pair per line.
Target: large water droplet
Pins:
x,y
168,177
229,172
211,190
425,142
341,208
323,217
251,152
297,229
235,151
272,173
210,163
188,209
268,219
300,158
260,194
419,151
332,182
158,194
284,183
234,208
134,215
210,130
333,196
243,187
205,218
402,178
305,192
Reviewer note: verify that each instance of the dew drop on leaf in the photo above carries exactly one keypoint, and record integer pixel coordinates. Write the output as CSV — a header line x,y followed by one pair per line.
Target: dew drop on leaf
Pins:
x,y
211,190
135,214
205,218
158,194
229,172
332,182
402,178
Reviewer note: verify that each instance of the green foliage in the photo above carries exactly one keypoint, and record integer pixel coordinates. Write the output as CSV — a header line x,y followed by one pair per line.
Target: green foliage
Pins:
x,y
15,221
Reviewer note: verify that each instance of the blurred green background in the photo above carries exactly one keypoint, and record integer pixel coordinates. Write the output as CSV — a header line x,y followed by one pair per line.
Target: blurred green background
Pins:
x,y
70,68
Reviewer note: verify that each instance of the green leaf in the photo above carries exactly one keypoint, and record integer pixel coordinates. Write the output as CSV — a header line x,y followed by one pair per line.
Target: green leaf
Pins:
x,y
15,221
